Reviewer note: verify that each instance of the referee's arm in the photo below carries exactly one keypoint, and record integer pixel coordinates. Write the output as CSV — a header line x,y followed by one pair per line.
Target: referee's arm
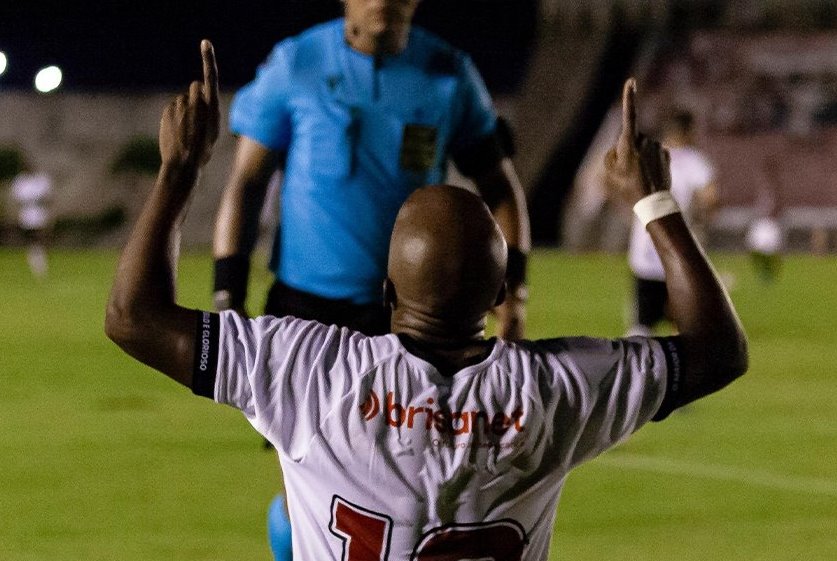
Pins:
x,y
489,165
142,316
237,222
711,342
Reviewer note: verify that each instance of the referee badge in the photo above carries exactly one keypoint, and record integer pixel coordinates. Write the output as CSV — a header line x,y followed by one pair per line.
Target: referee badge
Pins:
x,y
418,147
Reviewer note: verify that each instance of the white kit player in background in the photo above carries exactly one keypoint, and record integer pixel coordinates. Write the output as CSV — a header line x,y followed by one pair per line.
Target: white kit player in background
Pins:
x,y
693,188
430,442
32,191
765,236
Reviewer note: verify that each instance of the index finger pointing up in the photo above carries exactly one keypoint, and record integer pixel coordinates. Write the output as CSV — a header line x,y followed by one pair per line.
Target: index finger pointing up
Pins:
x,y
210,73
628,113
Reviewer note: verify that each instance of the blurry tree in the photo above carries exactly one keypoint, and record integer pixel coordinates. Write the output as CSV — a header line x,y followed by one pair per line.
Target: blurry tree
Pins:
x,y
139,155
11,162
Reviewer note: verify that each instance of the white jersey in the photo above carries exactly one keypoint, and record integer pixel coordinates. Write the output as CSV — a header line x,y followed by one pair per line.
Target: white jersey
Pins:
x,y
384,458
765,236
690,172
31,191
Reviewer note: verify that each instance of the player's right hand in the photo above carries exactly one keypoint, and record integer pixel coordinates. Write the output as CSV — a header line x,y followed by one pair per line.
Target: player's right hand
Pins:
x,y
637,165
189,126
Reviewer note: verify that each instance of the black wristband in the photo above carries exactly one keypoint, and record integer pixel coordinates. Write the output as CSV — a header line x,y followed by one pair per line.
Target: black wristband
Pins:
x,y
515,268
232,274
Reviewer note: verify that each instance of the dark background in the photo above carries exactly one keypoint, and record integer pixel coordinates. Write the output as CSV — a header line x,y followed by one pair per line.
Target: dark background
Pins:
x,y
150,45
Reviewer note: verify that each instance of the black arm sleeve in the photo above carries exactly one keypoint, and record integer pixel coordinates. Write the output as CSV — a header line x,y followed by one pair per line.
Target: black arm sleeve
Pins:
x,y
481,155
205,363
674,383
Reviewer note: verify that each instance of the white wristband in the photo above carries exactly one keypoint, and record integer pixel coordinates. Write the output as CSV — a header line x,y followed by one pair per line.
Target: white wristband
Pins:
x,y
654,206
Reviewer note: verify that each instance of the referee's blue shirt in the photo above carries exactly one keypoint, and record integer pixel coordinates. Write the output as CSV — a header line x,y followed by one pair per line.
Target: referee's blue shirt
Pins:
x,y
360,135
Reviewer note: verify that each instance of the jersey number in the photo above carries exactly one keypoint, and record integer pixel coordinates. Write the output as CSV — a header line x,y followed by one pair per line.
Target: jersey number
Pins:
x,y
366,536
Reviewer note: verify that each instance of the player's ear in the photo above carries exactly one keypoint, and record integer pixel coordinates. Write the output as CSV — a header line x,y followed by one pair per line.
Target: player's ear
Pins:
x,y
390,299
501,296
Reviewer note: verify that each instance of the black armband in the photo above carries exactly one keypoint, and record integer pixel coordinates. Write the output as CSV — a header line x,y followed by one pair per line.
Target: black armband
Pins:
x,y
231,276
515,268
482,155
205,362
674,381
505,135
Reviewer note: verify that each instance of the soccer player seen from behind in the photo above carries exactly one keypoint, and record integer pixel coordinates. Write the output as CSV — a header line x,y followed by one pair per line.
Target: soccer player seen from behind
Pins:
x,y
431,441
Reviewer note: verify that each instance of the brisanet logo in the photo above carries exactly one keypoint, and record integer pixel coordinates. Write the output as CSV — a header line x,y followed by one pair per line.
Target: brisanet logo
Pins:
x,y
445,422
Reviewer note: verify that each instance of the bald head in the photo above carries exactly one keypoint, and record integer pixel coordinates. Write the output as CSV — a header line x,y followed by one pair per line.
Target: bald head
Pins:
x,y
447,257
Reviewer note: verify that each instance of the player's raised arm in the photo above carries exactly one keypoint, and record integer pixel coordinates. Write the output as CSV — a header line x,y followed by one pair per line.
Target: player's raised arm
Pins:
x,y
142,316
712,342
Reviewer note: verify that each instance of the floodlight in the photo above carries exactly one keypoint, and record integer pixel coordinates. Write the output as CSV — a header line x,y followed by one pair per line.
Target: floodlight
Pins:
x,y
4,62
48,79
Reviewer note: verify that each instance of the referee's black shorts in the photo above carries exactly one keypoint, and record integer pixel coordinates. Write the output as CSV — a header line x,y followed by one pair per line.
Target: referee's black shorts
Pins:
x,y
369,319
651,298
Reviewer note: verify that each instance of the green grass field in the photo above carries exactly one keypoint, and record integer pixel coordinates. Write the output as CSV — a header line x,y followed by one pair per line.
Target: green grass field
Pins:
x,y
104,459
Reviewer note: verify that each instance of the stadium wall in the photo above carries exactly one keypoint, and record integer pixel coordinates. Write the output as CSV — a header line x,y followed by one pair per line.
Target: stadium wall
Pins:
x,y
78,138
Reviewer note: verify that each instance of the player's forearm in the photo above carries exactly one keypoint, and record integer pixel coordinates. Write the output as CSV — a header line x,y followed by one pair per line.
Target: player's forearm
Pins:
x,y
237,222
236,233
711,334
141,312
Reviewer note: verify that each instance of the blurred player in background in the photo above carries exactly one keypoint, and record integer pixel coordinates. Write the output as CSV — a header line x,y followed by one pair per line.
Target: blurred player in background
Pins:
x,y
693,187
32,193
765,238
431,441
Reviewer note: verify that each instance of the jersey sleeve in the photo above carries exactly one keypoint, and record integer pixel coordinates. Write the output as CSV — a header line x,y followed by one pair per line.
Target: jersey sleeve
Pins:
x,y
276,371
606,390
474,142
259,110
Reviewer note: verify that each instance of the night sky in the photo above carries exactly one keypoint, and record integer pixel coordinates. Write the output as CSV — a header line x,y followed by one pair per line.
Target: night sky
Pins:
x,y
150,45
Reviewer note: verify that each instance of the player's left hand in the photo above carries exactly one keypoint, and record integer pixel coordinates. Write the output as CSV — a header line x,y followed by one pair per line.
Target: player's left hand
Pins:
x,y
637,165
189,126
511,318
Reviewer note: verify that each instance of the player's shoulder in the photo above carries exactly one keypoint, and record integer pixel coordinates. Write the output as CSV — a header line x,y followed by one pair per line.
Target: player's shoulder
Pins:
x,y
569,345
582,352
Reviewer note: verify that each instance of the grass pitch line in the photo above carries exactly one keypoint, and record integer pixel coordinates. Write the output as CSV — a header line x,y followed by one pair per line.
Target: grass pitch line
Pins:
x,y
668,466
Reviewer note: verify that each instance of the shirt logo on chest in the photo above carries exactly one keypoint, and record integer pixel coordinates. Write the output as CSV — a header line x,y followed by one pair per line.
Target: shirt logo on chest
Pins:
x,y
418,147
428,418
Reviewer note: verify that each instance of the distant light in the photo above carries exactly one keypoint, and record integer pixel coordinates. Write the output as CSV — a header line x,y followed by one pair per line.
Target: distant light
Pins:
x,y
4,62
47,79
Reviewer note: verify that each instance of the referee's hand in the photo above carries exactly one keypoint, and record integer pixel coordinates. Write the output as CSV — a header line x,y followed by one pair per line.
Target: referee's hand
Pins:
x,y
189,126
637,165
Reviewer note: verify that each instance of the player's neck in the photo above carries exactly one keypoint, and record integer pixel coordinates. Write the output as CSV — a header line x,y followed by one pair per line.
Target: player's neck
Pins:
x,y
448,346
448,360
425,325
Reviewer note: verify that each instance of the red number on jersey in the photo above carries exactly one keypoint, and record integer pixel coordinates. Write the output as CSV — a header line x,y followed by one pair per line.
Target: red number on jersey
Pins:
x,y
365,534
502,540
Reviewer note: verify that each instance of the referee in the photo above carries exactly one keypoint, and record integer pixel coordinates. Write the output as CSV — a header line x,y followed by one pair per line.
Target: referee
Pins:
x,y
358,112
